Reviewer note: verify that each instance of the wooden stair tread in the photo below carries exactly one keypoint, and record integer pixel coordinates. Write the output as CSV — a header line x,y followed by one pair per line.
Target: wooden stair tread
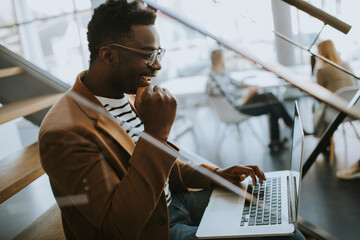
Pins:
x,y
28,106
18,170
47,226
11,71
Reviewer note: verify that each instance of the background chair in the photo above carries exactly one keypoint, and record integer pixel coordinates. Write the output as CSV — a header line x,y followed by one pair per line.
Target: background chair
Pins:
x,y
330,113
230,116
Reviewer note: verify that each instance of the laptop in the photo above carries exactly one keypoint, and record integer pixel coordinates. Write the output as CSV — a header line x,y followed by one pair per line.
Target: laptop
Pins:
x,y
273,210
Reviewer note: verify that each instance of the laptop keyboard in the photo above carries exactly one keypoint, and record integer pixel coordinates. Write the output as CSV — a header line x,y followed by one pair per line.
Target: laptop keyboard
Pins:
x,y
265,205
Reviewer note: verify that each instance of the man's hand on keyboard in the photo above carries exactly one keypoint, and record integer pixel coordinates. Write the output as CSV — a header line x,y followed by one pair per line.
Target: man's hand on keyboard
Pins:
x,y
237,174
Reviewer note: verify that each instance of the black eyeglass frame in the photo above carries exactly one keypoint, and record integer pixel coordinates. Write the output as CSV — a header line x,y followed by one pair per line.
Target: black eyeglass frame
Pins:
x,y
152,55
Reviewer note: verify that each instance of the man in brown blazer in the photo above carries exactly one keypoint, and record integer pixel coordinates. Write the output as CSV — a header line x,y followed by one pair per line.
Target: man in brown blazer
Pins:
x,y
110,183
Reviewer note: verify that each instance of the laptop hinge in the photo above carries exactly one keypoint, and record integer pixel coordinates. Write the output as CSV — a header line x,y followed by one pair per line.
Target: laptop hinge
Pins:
x,y
290,212
296,203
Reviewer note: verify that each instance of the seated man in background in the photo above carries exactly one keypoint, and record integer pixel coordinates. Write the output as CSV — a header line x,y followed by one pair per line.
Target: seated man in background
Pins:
x,y
247,99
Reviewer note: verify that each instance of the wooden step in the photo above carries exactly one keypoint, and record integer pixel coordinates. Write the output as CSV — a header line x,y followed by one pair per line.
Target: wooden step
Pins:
x,y
12,71
19,170
28,106
47,226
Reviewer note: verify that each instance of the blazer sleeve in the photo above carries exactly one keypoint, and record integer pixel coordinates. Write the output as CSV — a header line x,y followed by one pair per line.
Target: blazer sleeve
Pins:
x,y
184,176
119,206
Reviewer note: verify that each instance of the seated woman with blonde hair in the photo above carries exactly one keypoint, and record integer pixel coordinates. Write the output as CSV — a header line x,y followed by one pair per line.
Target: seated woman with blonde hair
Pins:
x,y
329,76
333,79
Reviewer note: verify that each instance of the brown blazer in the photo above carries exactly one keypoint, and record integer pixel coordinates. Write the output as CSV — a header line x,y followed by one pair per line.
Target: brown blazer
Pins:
x,y
106,186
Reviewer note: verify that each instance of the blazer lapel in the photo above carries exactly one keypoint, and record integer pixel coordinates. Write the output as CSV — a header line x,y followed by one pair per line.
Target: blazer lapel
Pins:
x,y
131,100
112,128
116,132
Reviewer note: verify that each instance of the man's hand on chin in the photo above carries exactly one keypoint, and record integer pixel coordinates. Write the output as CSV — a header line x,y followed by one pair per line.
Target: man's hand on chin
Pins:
x,y
157,109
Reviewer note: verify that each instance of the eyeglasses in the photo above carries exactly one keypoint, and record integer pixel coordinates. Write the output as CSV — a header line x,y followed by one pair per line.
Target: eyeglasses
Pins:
x,y
152,56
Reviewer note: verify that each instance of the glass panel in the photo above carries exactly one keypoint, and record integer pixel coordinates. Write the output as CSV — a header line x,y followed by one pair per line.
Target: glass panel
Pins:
x,y
59,45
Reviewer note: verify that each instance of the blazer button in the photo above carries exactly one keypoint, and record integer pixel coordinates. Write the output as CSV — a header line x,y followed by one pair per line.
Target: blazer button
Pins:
x,y
162,221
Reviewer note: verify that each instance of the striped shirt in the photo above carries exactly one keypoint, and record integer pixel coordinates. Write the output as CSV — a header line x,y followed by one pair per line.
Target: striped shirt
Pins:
x,y
122,112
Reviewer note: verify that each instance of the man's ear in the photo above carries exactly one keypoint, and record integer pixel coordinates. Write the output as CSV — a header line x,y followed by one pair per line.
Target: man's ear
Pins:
x,y
108,55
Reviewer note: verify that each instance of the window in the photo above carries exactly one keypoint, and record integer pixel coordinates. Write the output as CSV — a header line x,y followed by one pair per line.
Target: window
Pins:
x,y
50,34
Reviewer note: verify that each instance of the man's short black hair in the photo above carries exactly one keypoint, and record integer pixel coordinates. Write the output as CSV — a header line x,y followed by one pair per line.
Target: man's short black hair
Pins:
x,y
113,20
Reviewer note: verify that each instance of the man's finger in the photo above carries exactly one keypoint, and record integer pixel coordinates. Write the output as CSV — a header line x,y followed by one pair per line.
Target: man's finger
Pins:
x,y
250,171
157,88
259,173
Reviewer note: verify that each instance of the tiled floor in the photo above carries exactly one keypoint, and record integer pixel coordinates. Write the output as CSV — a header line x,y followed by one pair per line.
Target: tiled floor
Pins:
x,y
322,193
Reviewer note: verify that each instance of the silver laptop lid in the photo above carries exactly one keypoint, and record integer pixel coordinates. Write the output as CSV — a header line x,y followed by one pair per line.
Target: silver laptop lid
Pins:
x,y
296,164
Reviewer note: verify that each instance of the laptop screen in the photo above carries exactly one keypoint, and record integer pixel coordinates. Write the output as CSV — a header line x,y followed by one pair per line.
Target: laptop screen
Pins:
x,y
296,163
